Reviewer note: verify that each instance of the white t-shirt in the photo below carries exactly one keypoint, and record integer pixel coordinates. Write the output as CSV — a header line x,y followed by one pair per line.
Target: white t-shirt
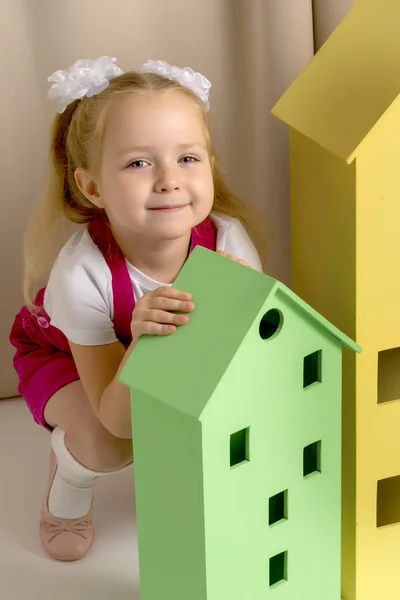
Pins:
x,y
79,297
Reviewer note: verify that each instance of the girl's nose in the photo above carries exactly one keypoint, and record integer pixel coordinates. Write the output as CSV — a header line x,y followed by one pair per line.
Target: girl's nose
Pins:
x,y
167,182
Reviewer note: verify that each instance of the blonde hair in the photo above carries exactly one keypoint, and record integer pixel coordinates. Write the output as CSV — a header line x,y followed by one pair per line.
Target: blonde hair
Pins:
x,y
76,141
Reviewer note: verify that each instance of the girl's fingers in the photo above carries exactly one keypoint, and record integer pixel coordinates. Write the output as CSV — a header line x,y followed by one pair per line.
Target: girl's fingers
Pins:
x,y
160,316
164,303
234,258
140,328
170,292
153,312
167,298
230,256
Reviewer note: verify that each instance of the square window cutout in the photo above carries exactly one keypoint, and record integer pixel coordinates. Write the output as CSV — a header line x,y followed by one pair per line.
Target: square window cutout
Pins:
x,y
278,508
389,375
278,568
312,459
312,368
388,505
239,447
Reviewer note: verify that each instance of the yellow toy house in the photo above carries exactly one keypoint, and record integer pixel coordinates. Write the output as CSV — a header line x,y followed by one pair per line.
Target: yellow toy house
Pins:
x,y
344,118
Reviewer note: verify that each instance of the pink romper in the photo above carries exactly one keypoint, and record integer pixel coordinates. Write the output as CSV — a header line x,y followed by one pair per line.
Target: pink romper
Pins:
x,y
43,359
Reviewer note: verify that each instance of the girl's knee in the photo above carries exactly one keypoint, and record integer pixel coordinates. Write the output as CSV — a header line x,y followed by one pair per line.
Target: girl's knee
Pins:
x,y
86,436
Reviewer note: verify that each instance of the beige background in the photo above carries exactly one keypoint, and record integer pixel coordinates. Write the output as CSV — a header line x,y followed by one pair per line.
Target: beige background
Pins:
x,y
251,50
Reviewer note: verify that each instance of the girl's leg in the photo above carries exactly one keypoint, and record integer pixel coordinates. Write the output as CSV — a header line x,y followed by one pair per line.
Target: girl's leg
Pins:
x,y
83,451
89,442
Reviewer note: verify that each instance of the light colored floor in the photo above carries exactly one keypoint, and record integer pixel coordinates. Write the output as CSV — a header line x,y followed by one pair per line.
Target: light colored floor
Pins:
x,y
109,572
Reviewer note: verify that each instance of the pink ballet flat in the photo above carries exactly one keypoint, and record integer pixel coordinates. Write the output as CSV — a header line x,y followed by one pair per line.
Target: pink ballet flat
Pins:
x,y
64,539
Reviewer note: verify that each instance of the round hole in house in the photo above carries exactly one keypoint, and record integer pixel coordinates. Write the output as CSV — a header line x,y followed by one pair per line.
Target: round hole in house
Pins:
x,y
271,324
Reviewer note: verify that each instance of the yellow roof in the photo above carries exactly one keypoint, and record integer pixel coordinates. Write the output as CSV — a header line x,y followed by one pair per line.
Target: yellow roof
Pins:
x,y
351,81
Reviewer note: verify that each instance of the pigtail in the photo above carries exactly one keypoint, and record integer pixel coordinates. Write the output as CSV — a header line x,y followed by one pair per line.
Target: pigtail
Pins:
x,y
75,206
49,228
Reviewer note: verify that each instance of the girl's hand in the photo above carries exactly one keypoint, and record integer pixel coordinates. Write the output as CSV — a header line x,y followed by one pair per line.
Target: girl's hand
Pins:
x,y
152,315
234,258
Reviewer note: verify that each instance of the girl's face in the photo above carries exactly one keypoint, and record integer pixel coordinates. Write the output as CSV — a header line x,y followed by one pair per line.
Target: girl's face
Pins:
x,y
155,179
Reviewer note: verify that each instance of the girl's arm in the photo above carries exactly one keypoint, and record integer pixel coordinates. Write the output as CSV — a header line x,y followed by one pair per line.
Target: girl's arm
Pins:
x,y
99,368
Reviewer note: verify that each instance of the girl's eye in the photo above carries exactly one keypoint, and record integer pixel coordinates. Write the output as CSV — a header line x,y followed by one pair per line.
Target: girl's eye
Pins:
x,y
188,159
137,164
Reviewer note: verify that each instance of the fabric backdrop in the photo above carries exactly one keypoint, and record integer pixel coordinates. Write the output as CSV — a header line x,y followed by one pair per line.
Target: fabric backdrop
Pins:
x,y
251,50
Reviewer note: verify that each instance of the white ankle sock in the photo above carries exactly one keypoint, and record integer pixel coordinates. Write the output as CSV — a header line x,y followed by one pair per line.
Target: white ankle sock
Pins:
x,y
72,489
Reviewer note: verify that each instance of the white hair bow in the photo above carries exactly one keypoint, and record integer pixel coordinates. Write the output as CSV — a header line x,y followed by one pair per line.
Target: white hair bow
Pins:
x,y
88,77
196,82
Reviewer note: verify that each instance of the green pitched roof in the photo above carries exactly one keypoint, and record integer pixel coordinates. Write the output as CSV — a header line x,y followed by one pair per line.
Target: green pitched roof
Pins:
x,y
183,369
351,82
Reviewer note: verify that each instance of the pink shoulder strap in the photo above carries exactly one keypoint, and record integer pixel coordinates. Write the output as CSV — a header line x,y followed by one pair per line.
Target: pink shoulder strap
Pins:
x,y
123,298
205,234
124,301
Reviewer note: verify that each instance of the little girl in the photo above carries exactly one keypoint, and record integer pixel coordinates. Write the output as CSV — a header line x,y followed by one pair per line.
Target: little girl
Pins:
x,y
132,164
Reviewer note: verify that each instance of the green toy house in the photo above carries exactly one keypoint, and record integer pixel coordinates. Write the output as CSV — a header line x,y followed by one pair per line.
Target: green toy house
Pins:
x,y
237,443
